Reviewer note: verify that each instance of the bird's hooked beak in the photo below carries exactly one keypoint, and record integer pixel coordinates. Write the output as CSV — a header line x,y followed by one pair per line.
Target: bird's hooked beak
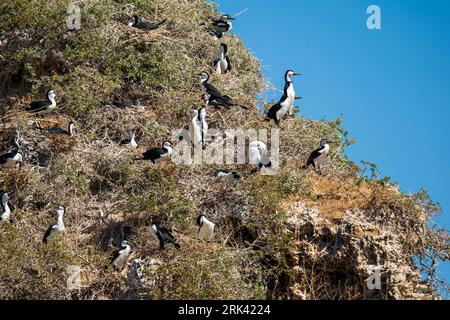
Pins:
x,y
298,98
296,74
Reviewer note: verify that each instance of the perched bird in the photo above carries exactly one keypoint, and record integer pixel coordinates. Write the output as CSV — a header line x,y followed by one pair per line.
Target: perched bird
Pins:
x,y
222,62
228,174
136,22
257,154
286,103
120,256
56,228
165,238
158,154
205,228
129,143
12,158
135,103
212,94
6,211
198,128
48,104
221,26
319,155
69,131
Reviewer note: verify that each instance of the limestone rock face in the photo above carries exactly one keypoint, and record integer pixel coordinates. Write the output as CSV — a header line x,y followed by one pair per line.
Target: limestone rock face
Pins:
x,y
350,257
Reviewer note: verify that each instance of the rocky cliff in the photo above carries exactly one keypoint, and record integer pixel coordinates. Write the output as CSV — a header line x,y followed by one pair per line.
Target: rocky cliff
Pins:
x,y
298,234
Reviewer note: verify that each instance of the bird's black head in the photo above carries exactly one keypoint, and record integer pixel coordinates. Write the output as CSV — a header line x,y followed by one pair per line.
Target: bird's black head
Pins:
x,y
205,76
226,17
224,48
289,74
199,219
324,142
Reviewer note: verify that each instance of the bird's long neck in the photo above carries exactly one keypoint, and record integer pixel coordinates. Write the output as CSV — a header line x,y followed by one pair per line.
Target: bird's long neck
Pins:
x,y
60,221
5,206
52,101
326,148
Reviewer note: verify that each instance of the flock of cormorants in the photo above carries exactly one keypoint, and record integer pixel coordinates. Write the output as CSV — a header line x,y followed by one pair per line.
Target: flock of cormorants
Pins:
x,y
198,129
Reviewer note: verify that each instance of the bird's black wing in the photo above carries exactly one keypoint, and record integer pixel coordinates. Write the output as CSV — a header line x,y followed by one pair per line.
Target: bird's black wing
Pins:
x,y
154,153
125,141
212,91
38,105
229,64
272,113
313,156
47,233
220,26
115,255
5,157
149,25
123,103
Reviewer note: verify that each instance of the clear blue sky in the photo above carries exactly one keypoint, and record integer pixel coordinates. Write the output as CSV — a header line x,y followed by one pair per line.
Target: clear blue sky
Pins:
x,y
391,86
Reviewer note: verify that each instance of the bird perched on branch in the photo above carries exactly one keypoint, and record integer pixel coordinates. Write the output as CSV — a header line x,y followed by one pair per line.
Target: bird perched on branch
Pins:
x,y
48,104
286,103
136,22
319,155
212,95
222,62
158,154
165,238
221,26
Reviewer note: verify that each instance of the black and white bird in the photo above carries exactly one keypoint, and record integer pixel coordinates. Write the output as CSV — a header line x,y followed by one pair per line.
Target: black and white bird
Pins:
x,y
12,158
212,95
165,238
319,155
48,104
257,154
222,62
135,103
120,256
69,131
226,174
6,211
129,143
137,22
205,228
221,26
56,228
286,103
198,128
158,154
